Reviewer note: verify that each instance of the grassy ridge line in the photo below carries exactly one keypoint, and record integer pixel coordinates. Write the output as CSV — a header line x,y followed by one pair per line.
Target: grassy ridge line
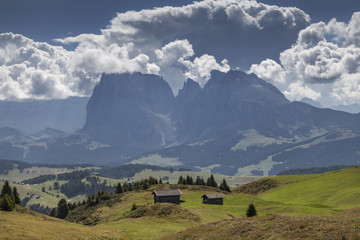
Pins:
x,y
337,189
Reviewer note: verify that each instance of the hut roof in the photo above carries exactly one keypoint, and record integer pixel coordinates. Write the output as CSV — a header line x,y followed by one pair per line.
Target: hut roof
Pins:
x,y
213,195
171,192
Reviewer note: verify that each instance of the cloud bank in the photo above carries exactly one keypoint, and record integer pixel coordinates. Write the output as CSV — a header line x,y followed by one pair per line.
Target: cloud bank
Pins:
x,y
174,42
323,64
240,31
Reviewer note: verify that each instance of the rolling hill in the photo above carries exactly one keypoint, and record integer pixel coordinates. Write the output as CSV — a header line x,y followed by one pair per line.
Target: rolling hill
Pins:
x,y
318,206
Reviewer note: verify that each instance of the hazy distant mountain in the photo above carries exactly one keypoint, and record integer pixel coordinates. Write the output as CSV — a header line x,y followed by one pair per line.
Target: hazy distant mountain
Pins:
x,y
34,115
237,124
240,124
311,102
353,108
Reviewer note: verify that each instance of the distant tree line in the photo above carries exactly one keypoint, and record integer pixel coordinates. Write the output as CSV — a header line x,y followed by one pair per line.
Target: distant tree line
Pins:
x,y
128,170
143,184
40,208
200,181
9,197
40,179
63,176
314,170
9,165
77,187
73,175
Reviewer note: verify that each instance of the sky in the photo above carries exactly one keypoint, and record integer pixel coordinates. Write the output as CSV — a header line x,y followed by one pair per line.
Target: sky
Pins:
x,y
55,49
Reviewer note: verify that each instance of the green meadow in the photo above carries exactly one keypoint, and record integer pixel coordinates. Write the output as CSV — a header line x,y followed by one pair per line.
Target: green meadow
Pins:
x,y
296,200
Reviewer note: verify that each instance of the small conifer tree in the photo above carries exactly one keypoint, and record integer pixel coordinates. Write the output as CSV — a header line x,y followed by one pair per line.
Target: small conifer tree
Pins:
x,y
62,209
251,211
6,189
6,203
224,186
15,196
180,181
211,181
52,212
133,207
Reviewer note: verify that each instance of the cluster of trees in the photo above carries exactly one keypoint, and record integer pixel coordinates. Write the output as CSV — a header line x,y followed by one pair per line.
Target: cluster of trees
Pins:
x,y
77,187
73,175
9,197
63,207
200,181
63,176
142,184
40,208
40,179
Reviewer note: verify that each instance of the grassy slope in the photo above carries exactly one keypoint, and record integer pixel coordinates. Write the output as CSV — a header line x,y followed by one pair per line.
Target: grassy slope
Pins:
x,y
277,227
311,201
334,190
30,225
322,195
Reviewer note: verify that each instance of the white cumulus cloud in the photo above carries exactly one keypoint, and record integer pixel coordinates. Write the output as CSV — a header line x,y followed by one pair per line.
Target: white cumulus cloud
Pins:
x,y
323,64
174,42
239,31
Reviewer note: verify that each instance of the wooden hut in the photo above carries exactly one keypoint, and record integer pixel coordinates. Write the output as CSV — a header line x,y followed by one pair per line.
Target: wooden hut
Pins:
x,y
213,198
167,196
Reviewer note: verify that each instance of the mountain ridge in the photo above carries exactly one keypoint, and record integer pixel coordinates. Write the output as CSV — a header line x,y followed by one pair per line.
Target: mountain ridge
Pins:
x,y
237,124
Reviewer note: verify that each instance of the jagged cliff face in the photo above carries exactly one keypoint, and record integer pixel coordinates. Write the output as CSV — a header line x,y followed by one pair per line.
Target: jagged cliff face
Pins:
x,y
131,111
237,124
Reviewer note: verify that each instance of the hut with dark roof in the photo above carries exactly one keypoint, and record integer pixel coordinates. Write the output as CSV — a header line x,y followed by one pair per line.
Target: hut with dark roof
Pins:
x,y
167,196
213,198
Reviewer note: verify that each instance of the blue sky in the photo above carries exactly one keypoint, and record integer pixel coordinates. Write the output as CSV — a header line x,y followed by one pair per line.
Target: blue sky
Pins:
x,y
293,44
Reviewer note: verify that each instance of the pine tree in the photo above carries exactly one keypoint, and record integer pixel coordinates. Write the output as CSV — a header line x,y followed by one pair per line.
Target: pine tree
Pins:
x,y
180,181
211,181
56,186
15,196
6,203
198,181
53,212
189,180
118,189
6,189
129,187
146,185
133,207
224,186
125,187
62,209
251,211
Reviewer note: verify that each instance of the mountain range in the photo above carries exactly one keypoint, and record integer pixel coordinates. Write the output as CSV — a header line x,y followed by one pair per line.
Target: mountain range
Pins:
x,y
237,124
